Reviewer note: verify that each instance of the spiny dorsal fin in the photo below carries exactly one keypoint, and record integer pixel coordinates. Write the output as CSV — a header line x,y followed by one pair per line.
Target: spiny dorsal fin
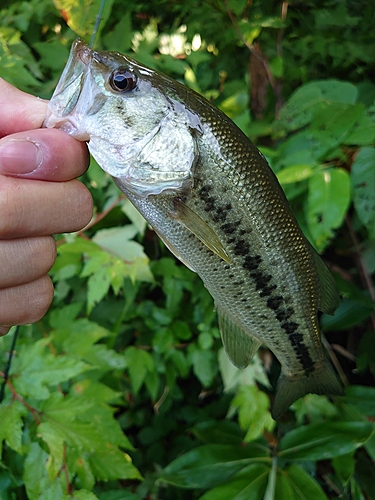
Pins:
x,y
239,345
188,218
329,295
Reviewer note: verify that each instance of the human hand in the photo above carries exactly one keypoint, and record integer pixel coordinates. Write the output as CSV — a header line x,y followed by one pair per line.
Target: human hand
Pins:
x,y
39,196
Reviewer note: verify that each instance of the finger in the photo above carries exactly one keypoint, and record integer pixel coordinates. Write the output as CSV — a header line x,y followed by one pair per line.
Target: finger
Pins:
x,y
4,330
25,259
23,304
18,110
37,208
44,154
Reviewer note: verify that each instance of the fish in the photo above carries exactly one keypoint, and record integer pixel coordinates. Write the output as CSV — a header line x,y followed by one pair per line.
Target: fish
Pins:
x,y
212,198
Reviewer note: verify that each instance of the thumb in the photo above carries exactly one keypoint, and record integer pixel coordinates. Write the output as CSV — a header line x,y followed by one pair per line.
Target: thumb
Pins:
x,y
19,111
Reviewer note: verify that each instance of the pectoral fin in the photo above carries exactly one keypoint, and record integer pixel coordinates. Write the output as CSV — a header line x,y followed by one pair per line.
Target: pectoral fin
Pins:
x,y
239,345
175,252
188,218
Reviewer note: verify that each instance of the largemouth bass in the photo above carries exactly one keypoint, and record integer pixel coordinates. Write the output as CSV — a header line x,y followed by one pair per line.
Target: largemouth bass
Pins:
x,y
212,198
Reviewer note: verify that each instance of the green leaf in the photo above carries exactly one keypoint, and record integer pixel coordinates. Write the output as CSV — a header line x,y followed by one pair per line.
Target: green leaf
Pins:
x,y
38,370
11,425
363,132
37,482
81,15
212,464
295,173
344,466
328,201
111,463
55,442
139,363
350,312
97,286
363,183
303,486
326,440
337,120
362,397
204,365
119,495
248,484
311,99
218,432
253,411
84,495
233,377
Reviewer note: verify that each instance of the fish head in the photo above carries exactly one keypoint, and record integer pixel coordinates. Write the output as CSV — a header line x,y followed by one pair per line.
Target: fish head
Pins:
x,y
133,118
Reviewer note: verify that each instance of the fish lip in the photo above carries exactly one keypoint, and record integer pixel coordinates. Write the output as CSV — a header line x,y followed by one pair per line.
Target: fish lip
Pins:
x,y
82,51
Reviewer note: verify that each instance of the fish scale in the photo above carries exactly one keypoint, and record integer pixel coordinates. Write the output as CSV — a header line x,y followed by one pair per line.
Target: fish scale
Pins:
x,y
210,195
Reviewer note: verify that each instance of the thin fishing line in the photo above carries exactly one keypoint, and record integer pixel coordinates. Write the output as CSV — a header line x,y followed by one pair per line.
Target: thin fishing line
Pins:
x,y
9,362
97,23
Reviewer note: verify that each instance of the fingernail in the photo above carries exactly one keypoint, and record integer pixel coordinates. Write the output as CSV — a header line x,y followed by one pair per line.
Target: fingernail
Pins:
x,y
19,156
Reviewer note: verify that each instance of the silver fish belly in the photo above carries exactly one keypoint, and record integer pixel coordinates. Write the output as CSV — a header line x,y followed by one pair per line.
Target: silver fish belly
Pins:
x,y
212,198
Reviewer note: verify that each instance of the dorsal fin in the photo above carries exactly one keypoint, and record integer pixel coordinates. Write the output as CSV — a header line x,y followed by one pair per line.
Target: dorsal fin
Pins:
x,y
329,295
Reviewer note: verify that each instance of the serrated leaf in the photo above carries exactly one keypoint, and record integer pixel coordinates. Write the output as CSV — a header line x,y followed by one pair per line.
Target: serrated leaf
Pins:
x,y
97,286
38,369
11,425
139,363
363,183
254,416
79,339
55,442
112,463
118,241
37,482
328,200
234,377
212,464
326,440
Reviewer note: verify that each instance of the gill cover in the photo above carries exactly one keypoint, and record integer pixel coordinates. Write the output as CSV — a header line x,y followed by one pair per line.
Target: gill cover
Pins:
x,y
134,128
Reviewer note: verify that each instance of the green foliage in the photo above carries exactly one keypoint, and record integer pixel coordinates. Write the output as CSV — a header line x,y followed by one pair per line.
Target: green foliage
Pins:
x,y
123,390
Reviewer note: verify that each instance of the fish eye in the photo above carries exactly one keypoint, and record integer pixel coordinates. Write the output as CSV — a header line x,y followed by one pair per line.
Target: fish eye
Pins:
x,y
122,80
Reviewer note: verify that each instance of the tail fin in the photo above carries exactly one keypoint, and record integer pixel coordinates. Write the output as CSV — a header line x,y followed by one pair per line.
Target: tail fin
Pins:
x,y
322,380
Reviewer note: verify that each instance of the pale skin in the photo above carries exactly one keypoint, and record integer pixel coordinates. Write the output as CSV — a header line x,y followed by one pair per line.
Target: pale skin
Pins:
x,y
39,196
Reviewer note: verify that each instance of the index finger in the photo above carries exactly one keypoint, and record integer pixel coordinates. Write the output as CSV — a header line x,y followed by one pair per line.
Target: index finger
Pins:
x,y
19,111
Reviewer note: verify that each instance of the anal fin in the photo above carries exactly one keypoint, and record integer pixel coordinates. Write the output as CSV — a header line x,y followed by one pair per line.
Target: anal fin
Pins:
x,y
239,345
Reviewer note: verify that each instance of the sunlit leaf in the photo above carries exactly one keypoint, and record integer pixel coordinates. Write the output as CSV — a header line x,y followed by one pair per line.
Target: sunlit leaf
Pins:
x,y
329,198
363,182
11,425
